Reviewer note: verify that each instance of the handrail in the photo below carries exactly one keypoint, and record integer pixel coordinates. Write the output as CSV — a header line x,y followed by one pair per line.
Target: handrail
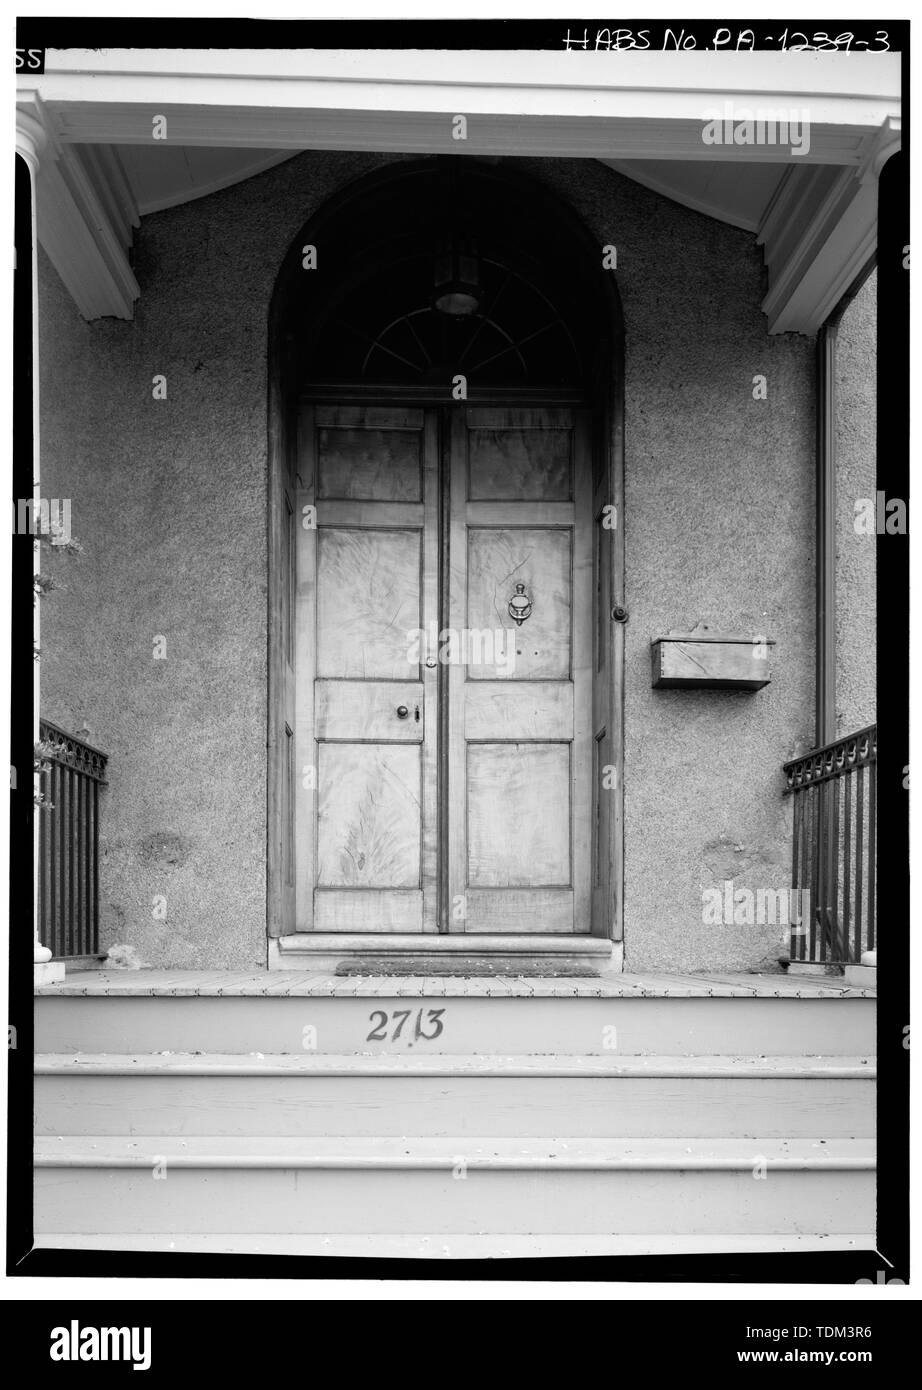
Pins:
x,y
834,853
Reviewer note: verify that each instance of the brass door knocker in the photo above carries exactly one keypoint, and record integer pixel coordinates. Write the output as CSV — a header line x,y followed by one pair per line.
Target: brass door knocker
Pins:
x,y
519,605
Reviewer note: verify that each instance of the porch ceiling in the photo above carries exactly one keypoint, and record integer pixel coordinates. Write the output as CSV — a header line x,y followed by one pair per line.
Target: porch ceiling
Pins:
x,y
233,113
162,176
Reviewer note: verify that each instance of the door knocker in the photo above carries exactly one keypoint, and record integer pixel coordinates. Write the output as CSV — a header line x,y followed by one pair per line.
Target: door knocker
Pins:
x,y
519,605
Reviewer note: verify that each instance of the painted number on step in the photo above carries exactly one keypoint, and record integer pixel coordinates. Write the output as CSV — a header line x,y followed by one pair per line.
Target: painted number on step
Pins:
x,y
427,1024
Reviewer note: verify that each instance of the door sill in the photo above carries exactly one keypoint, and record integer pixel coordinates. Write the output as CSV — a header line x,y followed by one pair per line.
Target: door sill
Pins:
x,y
399,954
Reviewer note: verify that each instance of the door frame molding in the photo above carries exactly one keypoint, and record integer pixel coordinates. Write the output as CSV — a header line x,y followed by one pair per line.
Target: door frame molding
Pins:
x,y
284,395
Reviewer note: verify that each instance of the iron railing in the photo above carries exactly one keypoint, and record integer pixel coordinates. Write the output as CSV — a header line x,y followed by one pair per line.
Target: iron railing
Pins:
x,y
834,857
68,863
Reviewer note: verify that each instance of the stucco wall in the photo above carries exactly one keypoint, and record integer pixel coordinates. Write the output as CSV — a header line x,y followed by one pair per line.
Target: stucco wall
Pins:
x,y
718,530
169,501
856,446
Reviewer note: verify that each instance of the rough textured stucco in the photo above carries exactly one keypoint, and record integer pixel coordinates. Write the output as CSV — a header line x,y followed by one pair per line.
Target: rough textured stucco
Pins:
x,y
169,500
856,468
719,530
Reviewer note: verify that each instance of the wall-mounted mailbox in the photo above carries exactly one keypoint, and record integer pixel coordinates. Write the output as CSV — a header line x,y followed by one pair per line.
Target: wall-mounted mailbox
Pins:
x,y
707,660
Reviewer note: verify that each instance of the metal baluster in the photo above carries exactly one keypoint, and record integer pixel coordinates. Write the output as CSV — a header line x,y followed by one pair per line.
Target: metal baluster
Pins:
x,y
44,933
822,817
797,938
859,858
93,917
847,884
814,870
87,851
839,950
55,895
872,852
78,863
69,831
60,835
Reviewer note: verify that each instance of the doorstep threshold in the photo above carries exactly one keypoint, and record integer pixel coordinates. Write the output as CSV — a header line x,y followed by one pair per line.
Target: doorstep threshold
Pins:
x,y
377,944
400,954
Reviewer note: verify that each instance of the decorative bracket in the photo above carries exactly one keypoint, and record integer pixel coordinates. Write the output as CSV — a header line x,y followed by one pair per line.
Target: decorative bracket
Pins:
x,y
85,215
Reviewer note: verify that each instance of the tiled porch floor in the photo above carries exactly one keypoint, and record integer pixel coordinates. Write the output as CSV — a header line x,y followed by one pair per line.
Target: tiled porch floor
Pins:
x,y
311,982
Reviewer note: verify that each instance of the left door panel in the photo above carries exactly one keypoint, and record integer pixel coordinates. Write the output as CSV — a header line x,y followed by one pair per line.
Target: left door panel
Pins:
x,y
366,724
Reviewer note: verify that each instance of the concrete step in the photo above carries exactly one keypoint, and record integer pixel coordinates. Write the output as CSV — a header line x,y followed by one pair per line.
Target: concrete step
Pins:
x,y
819,1024
97,1184
318,1094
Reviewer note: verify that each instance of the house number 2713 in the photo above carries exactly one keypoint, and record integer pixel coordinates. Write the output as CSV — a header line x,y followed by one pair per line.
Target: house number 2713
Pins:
x,y
388,1027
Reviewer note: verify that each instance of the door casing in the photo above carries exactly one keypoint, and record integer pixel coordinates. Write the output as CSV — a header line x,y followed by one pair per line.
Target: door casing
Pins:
x,y
604,426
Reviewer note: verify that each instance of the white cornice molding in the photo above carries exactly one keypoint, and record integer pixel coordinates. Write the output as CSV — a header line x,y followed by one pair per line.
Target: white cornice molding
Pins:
x,y
795,75
84,216
604,105
661,128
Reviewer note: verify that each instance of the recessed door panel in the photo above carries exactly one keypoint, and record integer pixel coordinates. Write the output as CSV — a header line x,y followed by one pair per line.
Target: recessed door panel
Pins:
x,y
368,601
369,824
529,710
518,815
502,561
520,456
341,707
367,461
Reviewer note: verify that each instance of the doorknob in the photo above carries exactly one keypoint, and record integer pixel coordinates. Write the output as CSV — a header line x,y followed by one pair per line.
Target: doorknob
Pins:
x,y
402,711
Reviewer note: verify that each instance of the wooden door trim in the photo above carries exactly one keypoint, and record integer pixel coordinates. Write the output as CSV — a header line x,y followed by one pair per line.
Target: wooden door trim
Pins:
x,y
582,648
443,484
280,910
614,445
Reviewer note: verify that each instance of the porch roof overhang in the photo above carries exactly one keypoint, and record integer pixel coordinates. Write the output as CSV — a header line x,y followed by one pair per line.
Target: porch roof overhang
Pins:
x,y
814,211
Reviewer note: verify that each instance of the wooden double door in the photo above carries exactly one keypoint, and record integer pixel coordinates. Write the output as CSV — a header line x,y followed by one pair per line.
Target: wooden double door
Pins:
x,y
442,655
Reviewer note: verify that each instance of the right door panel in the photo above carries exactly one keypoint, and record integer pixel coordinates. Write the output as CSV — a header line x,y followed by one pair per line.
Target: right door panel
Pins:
x,y
520,699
